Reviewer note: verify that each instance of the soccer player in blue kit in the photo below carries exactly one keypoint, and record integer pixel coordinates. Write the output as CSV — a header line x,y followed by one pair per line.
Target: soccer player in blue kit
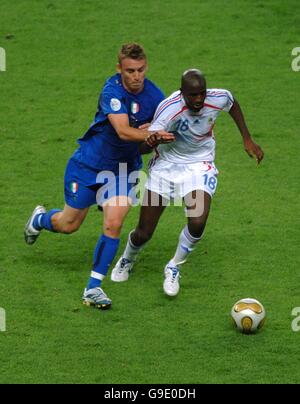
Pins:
x,y
112,145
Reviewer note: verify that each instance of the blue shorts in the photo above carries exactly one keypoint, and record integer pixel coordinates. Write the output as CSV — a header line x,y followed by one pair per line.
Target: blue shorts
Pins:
x,y
85,187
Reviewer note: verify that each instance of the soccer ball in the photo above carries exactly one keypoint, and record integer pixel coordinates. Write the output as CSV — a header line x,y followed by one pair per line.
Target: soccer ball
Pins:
x,y
248,315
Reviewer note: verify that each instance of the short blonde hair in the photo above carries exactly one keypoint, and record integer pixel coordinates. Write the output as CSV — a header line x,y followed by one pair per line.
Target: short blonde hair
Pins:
x,y
132,51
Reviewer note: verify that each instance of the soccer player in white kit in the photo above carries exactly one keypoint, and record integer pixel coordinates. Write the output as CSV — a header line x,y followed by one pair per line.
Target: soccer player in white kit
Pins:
x,y
184,169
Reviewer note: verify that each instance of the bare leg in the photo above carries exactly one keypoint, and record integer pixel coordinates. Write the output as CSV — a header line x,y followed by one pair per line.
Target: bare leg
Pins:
x,y
115,212
149,218
69,220
198,208
197,205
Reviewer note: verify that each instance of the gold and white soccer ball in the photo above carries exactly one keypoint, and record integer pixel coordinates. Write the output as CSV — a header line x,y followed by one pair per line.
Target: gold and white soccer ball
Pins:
x,y
248,315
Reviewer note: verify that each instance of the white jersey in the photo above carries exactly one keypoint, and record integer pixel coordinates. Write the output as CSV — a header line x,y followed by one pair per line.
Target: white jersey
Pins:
x,y
195,140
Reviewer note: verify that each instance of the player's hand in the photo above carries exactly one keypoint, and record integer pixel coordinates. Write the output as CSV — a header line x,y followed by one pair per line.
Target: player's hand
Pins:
x,y
160,137
253,150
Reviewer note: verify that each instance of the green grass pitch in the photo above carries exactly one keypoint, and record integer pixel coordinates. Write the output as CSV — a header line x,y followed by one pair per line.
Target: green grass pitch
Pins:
x,y
58,55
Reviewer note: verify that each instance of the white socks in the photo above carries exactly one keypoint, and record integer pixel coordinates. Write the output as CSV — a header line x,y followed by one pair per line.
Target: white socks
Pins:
x,y
186,245
131,251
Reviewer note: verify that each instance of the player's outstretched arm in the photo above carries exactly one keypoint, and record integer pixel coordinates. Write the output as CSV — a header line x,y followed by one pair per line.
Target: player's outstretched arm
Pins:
x,y
253,149
120,122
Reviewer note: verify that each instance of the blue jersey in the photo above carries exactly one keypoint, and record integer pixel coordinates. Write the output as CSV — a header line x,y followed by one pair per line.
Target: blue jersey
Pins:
x,y
100,147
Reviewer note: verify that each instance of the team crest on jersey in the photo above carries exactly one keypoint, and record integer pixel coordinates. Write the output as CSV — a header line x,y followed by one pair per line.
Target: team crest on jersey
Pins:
x,y
115,104
135,107
74,187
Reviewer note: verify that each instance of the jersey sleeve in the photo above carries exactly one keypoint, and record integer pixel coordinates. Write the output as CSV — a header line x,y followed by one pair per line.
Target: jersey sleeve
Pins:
x,y
228,101
158,124
110,102
160,120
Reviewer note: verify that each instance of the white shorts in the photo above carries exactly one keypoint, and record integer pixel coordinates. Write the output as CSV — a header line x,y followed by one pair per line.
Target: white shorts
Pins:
x,y
173,181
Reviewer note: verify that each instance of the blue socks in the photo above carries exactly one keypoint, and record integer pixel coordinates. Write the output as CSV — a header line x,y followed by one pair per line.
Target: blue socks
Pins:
x,y
105,252
43,221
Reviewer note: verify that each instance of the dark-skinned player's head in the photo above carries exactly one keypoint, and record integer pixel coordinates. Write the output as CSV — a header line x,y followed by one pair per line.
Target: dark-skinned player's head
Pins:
x,y
193,88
